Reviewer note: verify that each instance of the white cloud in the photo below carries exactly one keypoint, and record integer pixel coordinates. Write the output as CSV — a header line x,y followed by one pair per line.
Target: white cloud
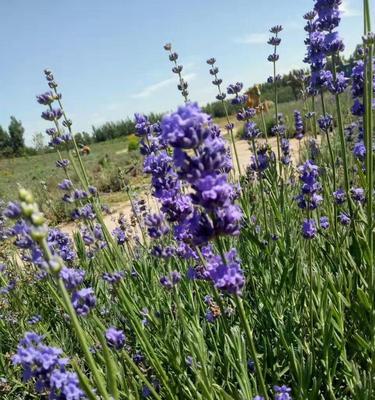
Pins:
x,y
253,38
348,11
149,90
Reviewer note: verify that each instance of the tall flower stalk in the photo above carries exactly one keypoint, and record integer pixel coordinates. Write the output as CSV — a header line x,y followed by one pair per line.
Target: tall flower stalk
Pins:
x,y
274,57
221,97
177,69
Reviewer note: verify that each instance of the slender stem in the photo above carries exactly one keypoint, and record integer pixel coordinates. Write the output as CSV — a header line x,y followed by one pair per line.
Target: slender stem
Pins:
x,y
251,344
134,367
77,327
314,116
368,125
82,341
276,115
230,130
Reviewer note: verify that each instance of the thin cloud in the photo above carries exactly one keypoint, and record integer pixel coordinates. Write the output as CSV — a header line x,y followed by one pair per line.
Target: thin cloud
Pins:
x,y
253,38
348,11
149,90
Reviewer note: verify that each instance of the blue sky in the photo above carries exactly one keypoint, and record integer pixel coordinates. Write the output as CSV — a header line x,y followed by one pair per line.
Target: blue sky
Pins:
x,y
108,57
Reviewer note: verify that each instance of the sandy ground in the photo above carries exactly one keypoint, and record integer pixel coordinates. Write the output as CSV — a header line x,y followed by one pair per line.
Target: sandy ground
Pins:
x,y
244,154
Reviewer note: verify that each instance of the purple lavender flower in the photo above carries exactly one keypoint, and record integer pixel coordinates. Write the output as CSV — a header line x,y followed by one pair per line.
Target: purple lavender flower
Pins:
x,y
65,385
45,365
358,194
282,392
359,150
34,319
325,122
185,128
358,109
114,277
66,184
324,222
285,148
251,130
115,338
339,196
46,98
335,86
309,197
83,301
52,115
328,14
333,43
276,29
210,316
62,163
226,275
309,229
142,125
120,235
72,277
274,41
235,88
273,57
344,218
12,211
298,123
166,282
156,225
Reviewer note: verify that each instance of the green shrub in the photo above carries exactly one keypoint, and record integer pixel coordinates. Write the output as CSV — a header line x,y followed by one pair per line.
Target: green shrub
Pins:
x,y
133,143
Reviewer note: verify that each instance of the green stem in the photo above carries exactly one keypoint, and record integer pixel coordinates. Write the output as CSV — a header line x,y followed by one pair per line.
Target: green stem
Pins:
x,y
82,341
251,344
134,367
230,129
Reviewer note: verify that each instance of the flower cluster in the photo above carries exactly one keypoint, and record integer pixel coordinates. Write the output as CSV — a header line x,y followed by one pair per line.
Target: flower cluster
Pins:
x,y
225,271
298,124
323,41
275,42
188,130
173,57
46,366
216,81
285,149
115,338
309,198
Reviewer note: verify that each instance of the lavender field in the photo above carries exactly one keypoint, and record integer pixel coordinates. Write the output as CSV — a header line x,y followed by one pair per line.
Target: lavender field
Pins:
x,y
243,266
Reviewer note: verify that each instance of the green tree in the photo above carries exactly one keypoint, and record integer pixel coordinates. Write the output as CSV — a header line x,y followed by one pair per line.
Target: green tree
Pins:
x,y
38,141
4,139
16,131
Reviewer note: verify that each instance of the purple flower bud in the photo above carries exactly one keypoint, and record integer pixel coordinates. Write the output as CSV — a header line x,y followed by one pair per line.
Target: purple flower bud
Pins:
x,y
12,211
62,163
83,301
72,277
45,98
324,222
66,184
115,338
273,57
344,218
309,229
53,114
276,29
274,41
358,194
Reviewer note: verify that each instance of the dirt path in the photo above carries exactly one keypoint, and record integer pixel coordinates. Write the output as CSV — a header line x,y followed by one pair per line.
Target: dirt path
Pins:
x,y
244,154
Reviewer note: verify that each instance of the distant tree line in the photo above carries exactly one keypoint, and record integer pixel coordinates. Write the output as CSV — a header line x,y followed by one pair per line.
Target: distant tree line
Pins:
x,y
290,87
12,141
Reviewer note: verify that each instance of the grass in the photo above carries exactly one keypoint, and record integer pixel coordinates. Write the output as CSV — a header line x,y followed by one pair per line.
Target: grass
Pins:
x,y
39,174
